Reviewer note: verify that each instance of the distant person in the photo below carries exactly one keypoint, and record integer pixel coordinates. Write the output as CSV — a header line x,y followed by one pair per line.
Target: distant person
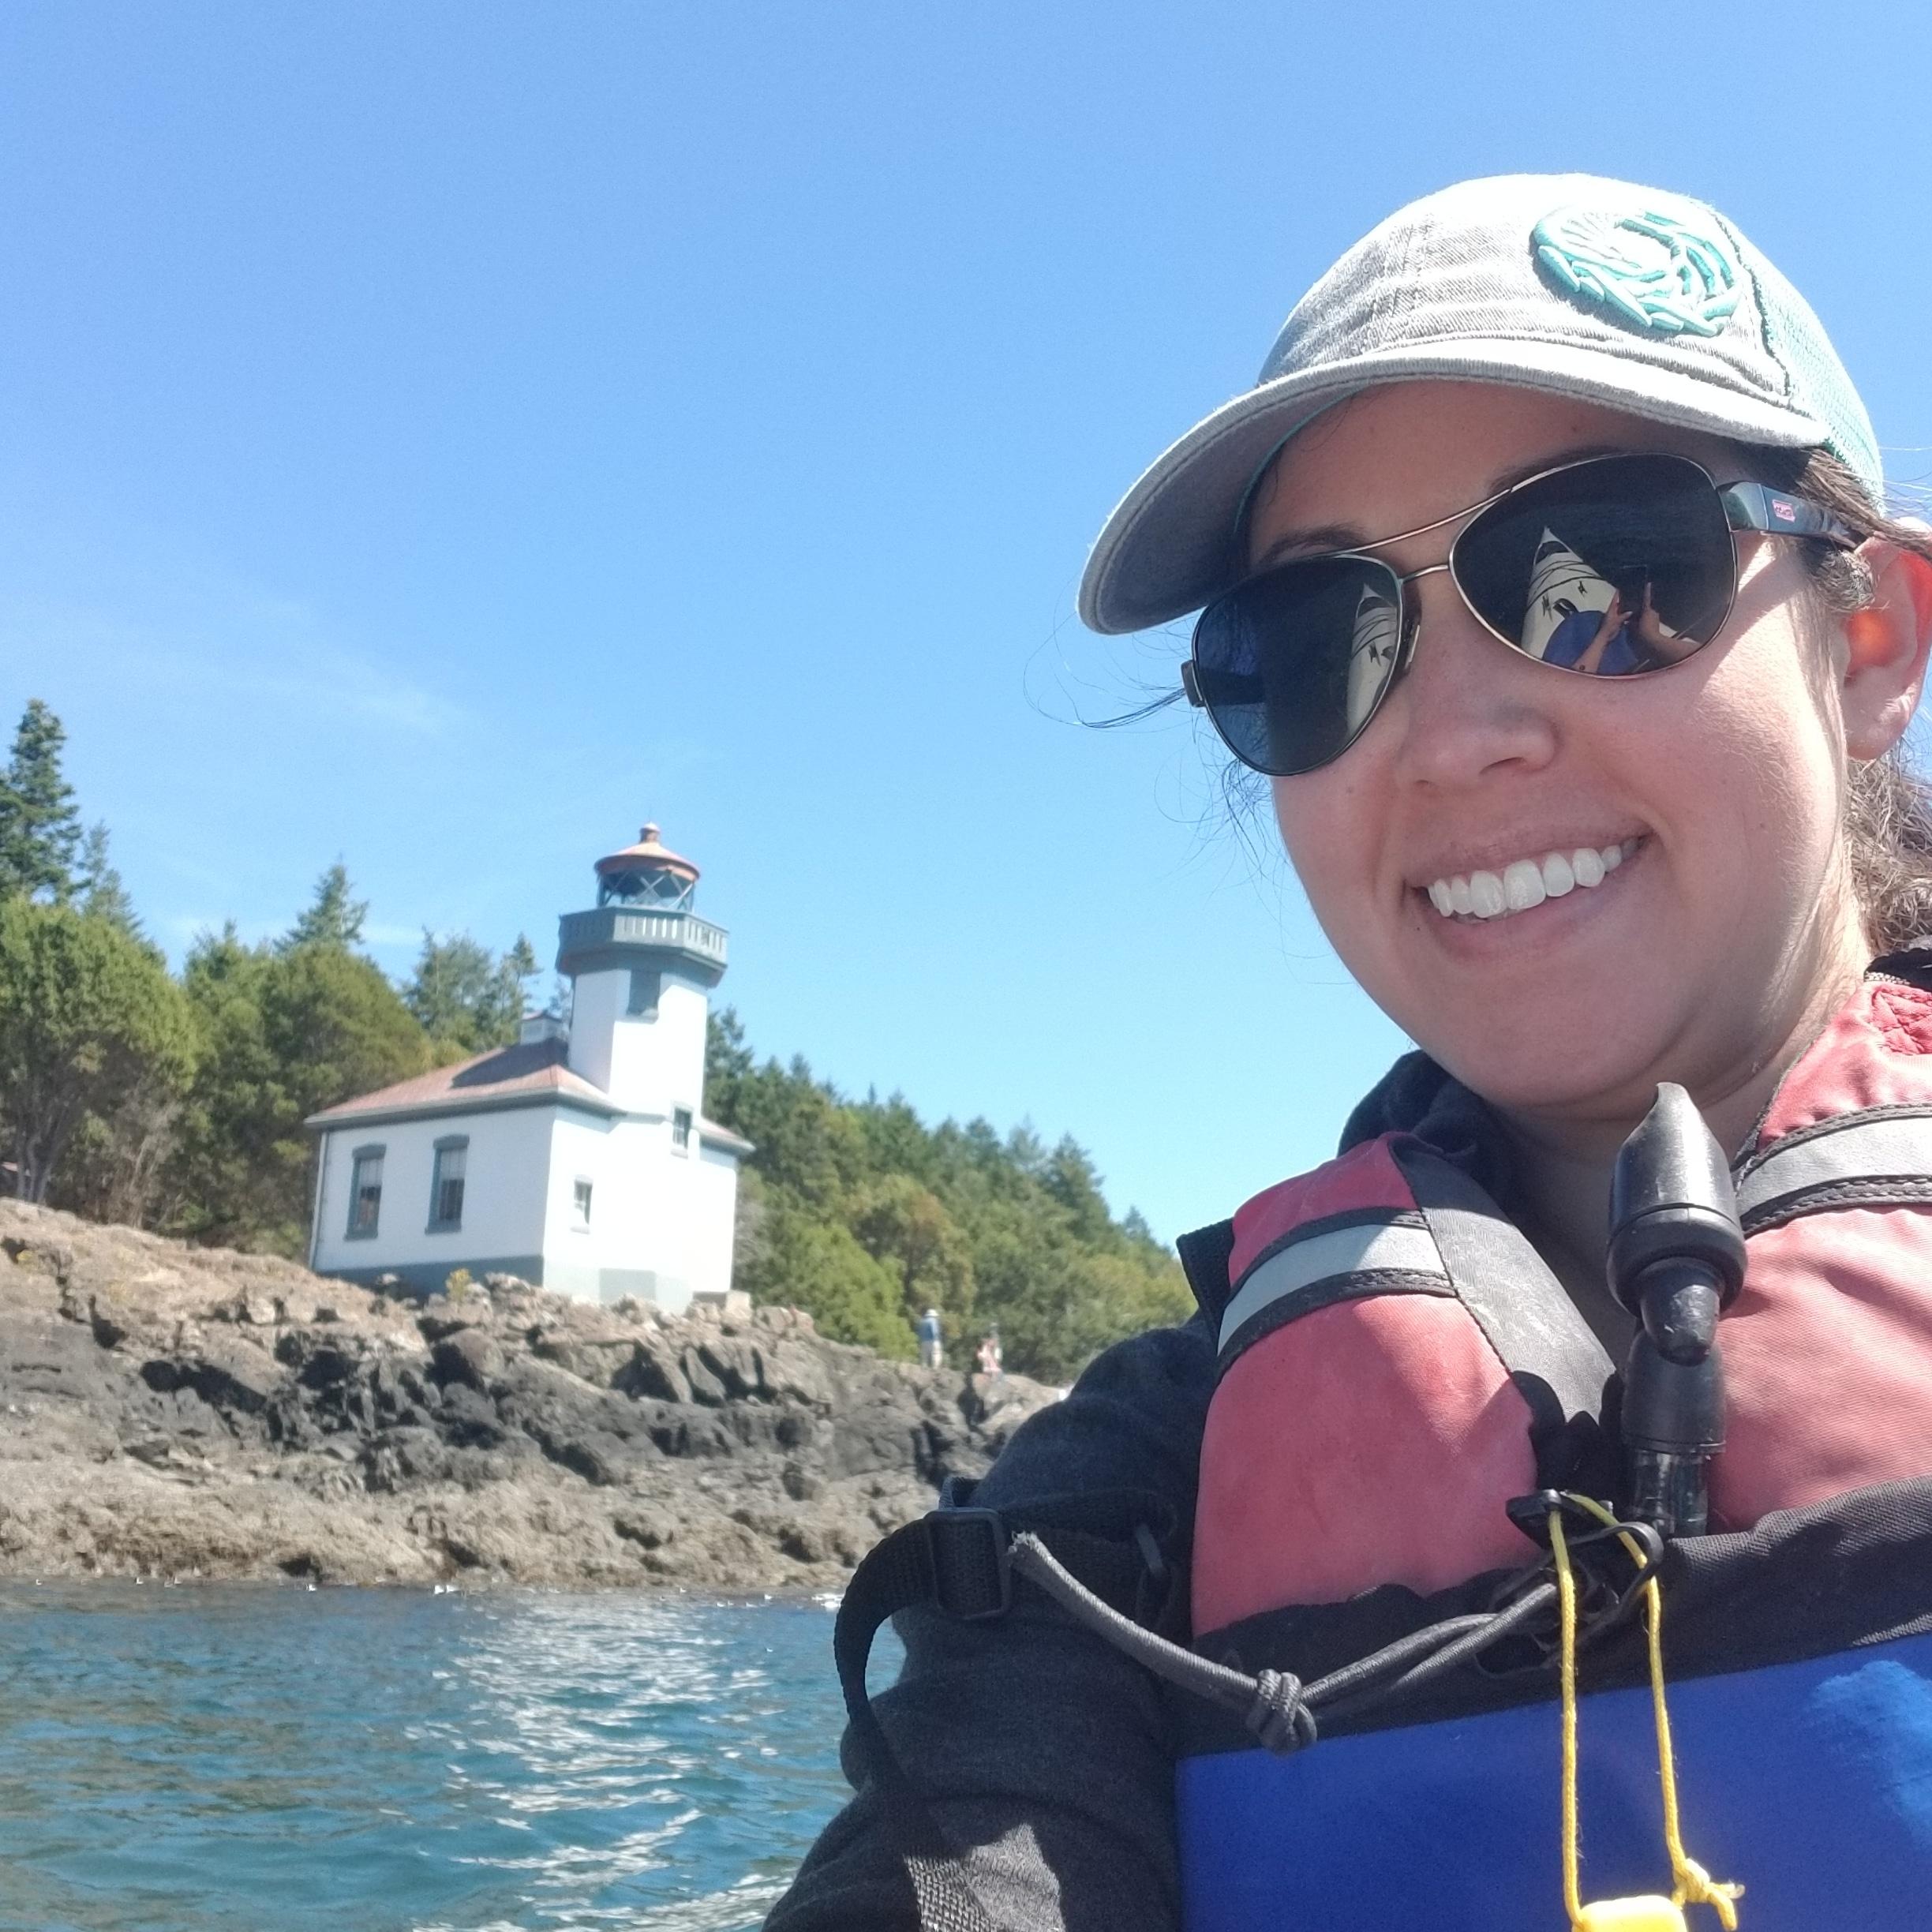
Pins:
x,y
991,1362
932,1340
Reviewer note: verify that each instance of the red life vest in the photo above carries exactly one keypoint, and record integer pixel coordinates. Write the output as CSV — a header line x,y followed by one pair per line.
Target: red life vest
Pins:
x,y
1397,1362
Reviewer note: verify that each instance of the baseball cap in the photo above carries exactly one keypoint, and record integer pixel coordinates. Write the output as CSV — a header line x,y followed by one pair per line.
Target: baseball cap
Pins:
x,y
1640,300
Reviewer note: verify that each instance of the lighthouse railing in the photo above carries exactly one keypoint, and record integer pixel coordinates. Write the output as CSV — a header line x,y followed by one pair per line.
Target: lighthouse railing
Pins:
x,y
616,923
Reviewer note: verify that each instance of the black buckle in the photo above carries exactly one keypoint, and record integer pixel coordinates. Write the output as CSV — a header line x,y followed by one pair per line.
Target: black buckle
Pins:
x,y
1602,1606
971,1565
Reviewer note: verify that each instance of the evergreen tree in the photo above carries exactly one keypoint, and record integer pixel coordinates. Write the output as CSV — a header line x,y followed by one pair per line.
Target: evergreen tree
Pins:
x,y
40,822
290,1030
520,965
465,1000
89,1019
905,1226
98,885
804,1260
855,1211
333,919
727,1062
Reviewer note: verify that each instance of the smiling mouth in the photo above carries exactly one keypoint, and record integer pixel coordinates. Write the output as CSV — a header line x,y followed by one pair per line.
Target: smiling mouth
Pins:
x,y
1525,883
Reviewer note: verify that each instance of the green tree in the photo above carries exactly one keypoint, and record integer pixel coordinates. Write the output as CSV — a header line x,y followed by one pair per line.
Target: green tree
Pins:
x,y
40,822
333,918
290,1030
981,1225
906,1226
728,1062
89,1018
809,1262
806,1140
464,998
99,885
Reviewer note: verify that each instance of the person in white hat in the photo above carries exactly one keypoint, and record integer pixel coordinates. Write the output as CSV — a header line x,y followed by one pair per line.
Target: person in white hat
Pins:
x,y
1546,579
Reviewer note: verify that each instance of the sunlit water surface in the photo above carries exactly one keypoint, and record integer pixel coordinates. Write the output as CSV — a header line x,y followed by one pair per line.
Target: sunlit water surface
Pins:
x,y
213,1758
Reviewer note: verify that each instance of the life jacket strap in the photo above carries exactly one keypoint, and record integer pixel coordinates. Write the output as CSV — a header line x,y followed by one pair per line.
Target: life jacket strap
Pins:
x,y
959,1560
962,1561
1879,1157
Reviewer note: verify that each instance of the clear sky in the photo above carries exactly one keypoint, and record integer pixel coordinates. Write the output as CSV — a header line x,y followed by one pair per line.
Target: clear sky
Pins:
x,y
442,435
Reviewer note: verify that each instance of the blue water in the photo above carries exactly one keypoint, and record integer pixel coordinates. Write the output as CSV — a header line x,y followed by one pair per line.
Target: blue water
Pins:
x,y
216,1757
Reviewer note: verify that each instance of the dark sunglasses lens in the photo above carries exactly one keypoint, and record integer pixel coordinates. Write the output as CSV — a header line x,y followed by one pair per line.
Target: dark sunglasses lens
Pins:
x,y
1292,665
1613,567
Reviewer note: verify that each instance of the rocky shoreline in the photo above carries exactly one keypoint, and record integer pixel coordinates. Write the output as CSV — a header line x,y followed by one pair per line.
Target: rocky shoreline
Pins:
x,y
185,1413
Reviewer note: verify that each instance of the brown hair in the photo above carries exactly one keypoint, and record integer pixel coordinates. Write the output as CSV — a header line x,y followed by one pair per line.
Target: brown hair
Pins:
x,y
1888,804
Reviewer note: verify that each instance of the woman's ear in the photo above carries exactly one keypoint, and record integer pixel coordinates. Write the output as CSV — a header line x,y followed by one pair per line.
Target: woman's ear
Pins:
x,y
1886,646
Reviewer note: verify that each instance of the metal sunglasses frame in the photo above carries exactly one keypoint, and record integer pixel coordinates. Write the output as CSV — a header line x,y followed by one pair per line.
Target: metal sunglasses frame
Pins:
x,y
1747,505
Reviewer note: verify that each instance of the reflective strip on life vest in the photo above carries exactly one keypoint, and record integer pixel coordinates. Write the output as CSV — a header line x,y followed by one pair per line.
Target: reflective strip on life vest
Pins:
x,y
1880,1158
1333,1260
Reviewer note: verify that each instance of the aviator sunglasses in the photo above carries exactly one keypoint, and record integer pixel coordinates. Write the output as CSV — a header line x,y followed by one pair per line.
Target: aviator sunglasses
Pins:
x,y
1610,567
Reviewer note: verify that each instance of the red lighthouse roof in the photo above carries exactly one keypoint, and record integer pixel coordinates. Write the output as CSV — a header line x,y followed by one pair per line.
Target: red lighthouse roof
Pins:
x,y
649,855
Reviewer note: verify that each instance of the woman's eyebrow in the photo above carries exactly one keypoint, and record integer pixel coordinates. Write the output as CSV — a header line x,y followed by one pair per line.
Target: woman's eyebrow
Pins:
x,y
1325,537
1318,541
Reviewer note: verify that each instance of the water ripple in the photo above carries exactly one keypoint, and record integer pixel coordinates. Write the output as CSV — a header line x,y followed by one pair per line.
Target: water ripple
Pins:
x,y
216,1759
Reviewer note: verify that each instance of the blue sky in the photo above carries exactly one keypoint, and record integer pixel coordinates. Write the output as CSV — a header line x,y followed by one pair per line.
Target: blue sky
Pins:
x,y
441,437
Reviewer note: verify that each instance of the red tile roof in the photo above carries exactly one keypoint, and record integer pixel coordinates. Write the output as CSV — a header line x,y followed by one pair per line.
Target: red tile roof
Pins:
x,y
489,1079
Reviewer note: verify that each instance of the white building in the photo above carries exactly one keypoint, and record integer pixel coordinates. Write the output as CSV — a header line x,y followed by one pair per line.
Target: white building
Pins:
x,y
580,1158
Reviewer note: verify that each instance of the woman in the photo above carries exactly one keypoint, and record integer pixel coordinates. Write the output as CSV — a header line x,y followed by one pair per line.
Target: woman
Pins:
x,y
1543,577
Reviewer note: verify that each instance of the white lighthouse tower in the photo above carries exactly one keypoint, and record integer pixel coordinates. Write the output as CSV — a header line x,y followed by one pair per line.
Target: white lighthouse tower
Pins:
x,y
580,1158
642,966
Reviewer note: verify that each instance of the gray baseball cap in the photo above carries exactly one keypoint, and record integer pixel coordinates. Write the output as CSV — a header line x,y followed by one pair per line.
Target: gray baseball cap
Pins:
x,y
1642,301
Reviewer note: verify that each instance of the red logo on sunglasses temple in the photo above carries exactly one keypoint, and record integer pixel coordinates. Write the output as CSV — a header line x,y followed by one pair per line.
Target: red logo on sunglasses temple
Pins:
x,y
1785,511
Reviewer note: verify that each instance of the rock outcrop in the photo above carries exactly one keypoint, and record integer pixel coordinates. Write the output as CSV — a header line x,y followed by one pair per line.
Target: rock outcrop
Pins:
x,y
177,1412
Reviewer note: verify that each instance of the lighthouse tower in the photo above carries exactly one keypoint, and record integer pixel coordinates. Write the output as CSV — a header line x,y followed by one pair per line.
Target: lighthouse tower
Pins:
x,y
642,966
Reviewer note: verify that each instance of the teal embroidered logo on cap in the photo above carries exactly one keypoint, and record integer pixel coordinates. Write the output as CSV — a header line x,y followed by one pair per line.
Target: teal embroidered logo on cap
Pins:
x,y
1647,270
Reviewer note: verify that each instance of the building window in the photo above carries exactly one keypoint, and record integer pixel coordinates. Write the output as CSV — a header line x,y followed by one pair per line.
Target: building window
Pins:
x,y
446,1186
582,1205
365,1193
681,1130
646,990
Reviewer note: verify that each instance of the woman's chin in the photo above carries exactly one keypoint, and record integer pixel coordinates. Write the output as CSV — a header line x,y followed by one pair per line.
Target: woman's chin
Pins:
x,y
1581,1063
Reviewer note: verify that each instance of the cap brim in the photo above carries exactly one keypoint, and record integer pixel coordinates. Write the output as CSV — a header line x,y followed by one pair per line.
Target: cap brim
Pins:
x,y
1172,543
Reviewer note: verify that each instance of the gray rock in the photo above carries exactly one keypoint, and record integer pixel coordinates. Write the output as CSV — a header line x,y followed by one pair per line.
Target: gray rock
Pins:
x,y
170,1410
469,1356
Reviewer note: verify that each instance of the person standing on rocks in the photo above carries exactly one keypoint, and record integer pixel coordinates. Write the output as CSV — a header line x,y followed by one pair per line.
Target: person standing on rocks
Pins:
x,y
992,1364
932,1340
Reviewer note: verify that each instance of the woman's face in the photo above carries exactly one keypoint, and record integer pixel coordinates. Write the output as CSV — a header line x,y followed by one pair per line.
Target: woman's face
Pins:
x,y
1711,946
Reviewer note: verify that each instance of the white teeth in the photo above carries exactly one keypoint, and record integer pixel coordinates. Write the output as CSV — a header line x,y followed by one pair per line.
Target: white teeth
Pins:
x,y
1523,885
1487,898
1524,882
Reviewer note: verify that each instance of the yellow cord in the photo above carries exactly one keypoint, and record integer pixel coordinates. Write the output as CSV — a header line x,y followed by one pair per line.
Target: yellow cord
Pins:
x,y
1566,1604
1694,1885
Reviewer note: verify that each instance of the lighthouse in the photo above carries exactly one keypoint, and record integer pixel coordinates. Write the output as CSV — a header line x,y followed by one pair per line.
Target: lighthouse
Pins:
x,y
642,965
579,1159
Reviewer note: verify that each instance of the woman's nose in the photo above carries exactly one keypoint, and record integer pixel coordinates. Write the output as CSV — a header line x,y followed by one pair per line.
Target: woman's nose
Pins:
x,y
1470,706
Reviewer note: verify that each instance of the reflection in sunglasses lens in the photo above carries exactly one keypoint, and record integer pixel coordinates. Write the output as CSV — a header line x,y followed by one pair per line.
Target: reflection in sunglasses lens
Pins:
x,y
1613,567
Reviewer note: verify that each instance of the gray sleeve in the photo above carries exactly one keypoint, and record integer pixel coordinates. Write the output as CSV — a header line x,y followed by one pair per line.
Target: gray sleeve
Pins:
x,y
1040,1755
